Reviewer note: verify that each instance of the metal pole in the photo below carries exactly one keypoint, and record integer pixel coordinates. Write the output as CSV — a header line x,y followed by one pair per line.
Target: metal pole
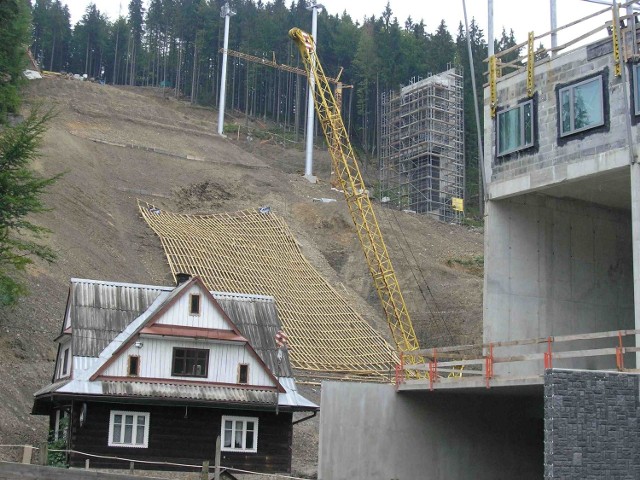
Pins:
x,y
482,188
554,26
632,28
491,47
225,12
308,166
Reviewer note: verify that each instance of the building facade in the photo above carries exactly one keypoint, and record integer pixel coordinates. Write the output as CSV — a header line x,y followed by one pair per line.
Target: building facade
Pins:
x,y
561,152
157,374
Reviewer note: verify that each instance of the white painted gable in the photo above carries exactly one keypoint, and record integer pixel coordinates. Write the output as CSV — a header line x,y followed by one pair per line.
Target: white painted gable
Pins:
x,y
156,355
155,352
180,312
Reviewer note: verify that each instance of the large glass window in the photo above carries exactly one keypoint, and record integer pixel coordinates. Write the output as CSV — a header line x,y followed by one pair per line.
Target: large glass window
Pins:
x,y
239,434
515,128
190,362
581,106
636,88
129,429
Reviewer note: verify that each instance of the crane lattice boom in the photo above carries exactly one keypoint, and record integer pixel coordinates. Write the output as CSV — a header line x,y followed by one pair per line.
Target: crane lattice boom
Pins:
x,y
348,173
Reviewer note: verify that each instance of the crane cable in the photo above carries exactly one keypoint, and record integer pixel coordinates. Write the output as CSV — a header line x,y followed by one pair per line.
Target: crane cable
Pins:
x,y
437,313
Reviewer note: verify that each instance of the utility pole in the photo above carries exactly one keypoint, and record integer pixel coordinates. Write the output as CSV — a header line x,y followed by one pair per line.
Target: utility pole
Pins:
x,y
554,26
482,190
490,46
226,13
308,167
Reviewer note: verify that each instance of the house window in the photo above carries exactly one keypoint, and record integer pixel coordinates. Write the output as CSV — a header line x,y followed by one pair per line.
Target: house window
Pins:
x,y
636,89
129,429
515,128
581,106
243,373
61,425
64,368
133,368
240,434
190,362
194,304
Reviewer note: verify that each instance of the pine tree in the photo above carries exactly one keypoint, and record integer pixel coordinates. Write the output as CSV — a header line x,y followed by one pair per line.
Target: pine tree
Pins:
x,y
135,26
51,34
14,39
20,195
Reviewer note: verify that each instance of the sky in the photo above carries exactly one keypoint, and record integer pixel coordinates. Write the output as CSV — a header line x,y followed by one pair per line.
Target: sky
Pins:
x,y
521,15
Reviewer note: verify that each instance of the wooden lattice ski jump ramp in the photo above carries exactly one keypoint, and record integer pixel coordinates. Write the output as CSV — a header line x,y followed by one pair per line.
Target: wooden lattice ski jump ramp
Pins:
x,y
255,253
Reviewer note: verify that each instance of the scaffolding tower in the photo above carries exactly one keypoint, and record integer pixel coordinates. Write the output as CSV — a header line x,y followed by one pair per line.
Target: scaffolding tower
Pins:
x,y
422,147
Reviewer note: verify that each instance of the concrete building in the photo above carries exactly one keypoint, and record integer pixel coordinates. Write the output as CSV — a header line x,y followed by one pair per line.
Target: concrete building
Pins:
x,y
561,168
553,391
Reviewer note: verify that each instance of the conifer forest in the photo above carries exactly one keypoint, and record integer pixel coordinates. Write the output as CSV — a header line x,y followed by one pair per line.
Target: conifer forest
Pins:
x,y
176,45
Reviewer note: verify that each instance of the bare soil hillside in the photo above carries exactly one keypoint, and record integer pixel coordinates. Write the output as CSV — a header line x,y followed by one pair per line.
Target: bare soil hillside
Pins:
x,y
117,145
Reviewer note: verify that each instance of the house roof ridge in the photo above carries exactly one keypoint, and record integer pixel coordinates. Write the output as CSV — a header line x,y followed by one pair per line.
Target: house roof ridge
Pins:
x,y
215,293
121,284
252,296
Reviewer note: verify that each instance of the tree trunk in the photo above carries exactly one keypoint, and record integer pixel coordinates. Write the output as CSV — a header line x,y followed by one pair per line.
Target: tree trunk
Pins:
x,y
53,48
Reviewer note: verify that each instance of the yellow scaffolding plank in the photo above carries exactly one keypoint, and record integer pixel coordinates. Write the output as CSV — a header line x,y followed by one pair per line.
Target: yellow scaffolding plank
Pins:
x,y
255,253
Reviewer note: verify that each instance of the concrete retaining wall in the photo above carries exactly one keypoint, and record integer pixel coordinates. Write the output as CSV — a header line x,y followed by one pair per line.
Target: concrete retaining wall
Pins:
x,y
555,267
591,425
369,431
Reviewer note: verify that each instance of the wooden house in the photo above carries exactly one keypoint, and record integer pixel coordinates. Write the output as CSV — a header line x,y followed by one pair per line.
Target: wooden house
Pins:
x,y
156,374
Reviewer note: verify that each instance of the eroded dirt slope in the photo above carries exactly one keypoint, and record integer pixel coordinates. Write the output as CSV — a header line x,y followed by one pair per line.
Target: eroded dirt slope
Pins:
x,y
116,145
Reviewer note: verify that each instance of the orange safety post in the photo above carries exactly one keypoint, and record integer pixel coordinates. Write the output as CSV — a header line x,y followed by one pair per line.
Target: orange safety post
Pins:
x,y
548,355
488,365
433,369
619,353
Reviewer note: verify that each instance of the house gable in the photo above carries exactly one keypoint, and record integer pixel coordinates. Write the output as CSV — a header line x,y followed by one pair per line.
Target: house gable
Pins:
x,y
180,343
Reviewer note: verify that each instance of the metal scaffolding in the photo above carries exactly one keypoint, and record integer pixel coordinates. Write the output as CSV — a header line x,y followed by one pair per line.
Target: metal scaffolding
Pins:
x,y
422,147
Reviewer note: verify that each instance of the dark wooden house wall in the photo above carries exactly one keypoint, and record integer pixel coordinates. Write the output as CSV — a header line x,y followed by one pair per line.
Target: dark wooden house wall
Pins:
x,y
181,435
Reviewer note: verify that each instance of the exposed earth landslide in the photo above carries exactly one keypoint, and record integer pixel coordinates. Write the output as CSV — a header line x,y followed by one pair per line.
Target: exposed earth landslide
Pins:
x,y
117,145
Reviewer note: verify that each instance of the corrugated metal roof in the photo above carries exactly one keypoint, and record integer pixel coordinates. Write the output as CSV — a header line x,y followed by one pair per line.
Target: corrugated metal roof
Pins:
x,y
257,319
52,387
99,311
208,393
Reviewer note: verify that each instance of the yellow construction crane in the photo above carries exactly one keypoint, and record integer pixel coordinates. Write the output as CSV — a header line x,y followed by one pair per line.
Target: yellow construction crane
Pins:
x,y
288,68
348,173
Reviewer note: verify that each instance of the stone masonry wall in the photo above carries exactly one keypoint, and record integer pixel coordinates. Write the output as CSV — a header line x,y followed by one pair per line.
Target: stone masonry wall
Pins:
x,y
591,425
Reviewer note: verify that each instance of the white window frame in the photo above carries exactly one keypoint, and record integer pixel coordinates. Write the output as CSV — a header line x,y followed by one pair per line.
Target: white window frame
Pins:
x,y
571,88
62,372
137,373
244,420
522,144
134,433
58,432
199,299
246,365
